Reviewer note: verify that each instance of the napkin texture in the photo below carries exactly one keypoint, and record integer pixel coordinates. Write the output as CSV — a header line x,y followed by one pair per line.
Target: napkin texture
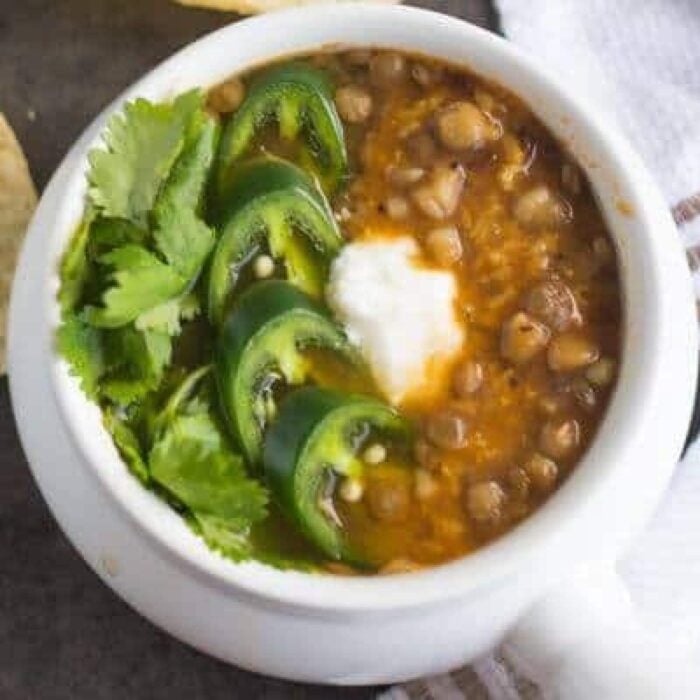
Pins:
x,y
640,62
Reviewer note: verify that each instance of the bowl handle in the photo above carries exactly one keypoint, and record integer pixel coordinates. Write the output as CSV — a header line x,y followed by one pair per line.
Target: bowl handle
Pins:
x,y
585,640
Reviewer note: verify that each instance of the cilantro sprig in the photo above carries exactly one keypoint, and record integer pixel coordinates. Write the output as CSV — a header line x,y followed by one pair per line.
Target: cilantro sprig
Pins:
x,y
129,275
180,450
141,146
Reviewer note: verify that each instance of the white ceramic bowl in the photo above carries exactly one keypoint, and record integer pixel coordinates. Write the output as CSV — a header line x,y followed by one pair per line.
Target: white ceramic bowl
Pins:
x,y
382,629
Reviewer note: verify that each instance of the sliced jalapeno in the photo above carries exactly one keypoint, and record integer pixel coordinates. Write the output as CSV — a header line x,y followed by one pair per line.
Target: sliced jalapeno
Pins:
x,y
273,200
262,343
316,434
300,99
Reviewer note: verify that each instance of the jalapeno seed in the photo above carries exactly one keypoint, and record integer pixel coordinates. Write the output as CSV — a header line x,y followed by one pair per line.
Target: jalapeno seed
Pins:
x,y
263,266
351,490
374,454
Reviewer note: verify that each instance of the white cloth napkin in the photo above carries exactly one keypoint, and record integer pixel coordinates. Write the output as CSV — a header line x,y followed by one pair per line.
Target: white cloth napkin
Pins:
x,y
639,60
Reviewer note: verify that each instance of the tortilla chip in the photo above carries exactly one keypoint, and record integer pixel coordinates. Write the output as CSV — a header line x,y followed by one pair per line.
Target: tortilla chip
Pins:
x,y
254,7
17,204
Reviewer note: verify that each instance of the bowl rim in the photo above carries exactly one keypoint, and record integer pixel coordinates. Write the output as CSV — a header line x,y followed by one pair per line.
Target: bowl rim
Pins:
x,y
539,536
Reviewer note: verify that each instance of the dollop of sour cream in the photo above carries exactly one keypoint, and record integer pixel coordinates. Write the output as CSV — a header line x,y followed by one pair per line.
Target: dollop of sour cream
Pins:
x,y
401,316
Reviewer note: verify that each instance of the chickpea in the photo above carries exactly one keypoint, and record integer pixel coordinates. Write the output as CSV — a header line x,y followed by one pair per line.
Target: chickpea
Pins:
x,y
523,338
423,75
388,500
404,177
439,197
447,430
553,303
559,439
571,178
541,208
485,100
397,207
421,148
519,482
467,378
426,455
584,393
462,125
603,250
571,351
399,566
354,104
542,472
444,245
484,501
425,485
387,68
552,404
358,57
602,372
227,97
338,569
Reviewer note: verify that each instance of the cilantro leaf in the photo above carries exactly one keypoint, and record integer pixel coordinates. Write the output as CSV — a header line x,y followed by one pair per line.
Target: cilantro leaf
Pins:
x,y
141,282
141,146
107,234
192,461
145,285
75,267
128,445
219,535
81,346
188,178
164,318
136,361
184,398
190,307
184,239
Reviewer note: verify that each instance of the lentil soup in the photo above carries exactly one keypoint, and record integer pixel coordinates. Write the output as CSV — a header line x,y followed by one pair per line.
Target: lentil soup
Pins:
x,y
356,202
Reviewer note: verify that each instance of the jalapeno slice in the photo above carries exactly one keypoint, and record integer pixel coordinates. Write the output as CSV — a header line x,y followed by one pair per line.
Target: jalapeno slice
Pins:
x,y
317,431
261,343
300,99
272,200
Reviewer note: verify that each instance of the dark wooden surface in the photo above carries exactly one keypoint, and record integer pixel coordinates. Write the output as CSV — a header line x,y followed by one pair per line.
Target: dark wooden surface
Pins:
x,y
63,634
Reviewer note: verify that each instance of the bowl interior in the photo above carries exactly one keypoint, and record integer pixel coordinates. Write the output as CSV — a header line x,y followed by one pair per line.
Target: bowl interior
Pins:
x,y
617,179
